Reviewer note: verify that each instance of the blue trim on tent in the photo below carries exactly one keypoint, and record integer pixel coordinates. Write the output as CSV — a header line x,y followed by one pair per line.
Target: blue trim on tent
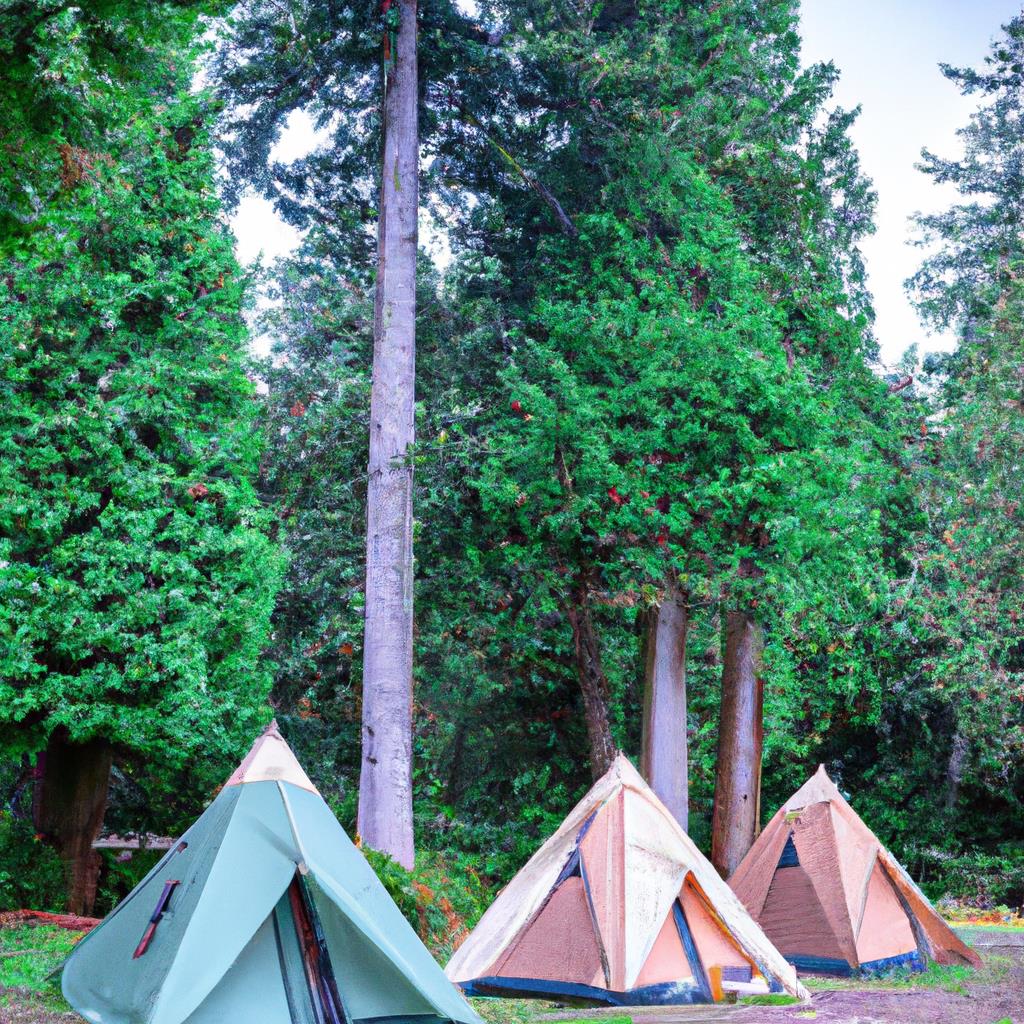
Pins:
x,y
669,993
821,965
572,866
789,858
843,969
912,961
570,870
690,947
585,827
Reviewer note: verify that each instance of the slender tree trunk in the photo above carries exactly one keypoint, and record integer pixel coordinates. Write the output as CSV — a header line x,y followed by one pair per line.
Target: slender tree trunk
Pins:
x,y
593,683
70,800
385,780
955,768
663,758
737,811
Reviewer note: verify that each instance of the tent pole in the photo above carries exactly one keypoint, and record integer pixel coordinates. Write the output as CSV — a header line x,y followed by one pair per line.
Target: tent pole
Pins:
x,y
301,864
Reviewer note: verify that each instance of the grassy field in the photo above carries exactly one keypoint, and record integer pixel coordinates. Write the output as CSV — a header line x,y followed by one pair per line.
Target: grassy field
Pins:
x,y
30,956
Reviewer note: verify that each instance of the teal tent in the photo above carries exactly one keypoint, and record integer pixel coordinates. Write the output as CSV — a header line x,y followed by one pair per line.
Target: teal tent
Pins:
x,y
263,912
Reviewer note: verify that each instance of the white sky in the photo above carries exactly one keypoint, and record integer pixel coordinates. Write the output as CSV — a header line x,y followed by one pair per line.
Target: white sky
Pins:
x,y
888,52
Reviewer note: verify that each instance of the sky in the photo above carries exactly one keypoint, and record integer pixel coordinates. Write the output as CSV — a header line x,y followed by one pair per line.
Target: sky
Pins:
x,y
888,52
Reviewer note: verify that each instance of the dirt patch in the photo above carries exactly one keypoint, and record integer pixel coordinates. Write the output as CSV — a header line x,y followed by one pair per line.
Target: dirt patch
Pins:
x,y
986,1004
18,1006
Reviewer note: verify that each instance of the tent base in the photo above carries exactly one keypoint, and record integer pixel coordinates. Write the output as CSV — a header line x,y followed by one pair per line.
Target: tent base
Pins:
x,y
669,993
912,961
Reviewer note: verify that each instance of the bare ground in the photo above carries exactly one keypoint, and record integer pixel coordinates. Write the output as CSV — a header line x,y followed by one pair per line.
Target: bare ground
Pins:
x,y
977,1005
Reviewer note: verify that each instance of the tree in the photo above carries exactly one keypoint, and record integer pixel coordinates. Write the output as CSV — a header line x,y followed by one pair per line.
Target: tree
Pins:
x,y
385,780
664,753
960,607
136,576
977,242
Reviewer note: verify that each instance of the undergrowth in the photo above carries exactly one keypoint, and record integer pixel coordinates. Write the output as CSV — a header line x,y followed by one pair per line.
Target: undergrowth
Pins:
x,y
29,954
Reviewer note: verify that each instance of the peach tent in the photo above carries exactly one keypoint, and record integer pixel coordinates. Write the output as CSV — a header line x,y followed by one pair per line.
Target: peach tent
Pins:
x,y
619,907
832,898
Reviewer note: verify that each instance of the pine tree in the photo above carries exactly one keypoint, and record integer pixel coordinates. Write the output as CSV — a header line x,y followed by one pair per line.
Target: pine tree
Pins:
x,y
137,578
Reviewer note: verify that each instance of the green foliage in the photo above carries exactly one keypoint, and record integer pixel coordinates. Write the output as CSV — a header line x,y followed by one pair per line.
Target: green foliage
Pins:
x,y
29,954
509,1011
119,876
976,877
31,874
441,899
136,575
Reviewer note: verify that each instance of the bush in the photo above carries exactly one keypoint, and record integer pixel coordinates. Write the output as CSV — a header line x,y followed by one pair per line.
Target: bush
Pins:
x,y
982,880
31,873
442,899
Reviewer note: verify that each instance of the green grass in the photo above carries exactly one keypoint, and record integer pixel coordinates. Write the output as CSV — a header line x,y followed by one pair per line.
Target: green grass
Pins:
x,y
28,955
768,999
954,978
510,1011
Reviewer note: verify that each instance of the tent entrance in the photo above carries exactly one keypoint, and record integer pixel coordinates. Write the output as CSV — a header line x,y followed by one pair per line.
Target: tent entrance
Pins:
x,y
309,980
796,922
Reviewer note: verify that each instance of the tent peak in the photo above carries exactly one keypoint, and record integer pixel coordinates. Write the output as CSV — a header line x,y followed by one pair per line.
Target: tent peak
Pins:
x,y
819,788
270,759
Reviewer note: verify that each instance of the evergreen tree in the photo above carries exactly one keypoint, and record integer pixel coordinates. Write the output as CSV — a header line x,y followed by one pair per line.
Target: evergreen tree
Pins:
x,y
137,579
961,607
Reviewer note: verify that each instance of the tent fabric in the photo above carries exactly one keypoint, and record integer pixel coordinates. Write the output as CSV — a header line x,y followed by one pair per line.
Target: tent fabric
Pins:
x,y
619,877
832,898
227,946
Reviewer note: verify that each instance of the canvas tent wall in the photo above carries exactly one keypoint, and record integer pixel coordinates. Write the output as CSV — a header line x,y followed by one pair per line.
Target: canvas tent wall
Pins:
x,y
832,898
619,907
272,916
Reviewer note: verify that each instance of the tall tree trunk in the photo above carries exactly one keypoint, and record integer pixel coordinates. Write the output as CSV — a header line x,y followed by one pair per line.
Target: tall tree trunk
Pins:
x,y
663,758
737,811
385,779
593,682
68,808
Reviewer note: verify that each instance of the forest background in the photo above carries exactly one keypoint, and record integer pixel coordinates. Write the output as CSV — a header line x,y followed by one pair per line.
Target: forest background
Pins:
x,y
648,405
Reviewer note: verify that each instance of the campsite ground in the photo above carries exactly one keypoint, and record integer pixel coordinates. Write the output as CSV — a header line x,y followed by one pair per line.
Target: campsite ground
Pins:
x,y
994,995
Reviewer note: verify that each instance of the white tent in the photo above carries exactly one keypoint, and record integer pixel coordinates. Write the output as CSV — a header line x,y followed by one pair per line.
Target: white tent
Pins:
x,y
619,906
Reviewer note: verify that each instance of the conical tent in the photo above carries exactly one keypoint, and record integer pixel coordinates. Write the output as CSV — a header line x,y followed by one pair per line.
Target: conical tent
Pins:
x,y
619,907
832,898
263,912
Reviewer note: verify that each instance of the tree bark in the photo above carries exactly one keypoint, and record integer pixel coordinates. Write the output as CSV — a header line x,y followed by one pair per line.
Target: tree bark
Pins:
x,y
737,811
955,768
385,780
68,807
664,752
593,683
